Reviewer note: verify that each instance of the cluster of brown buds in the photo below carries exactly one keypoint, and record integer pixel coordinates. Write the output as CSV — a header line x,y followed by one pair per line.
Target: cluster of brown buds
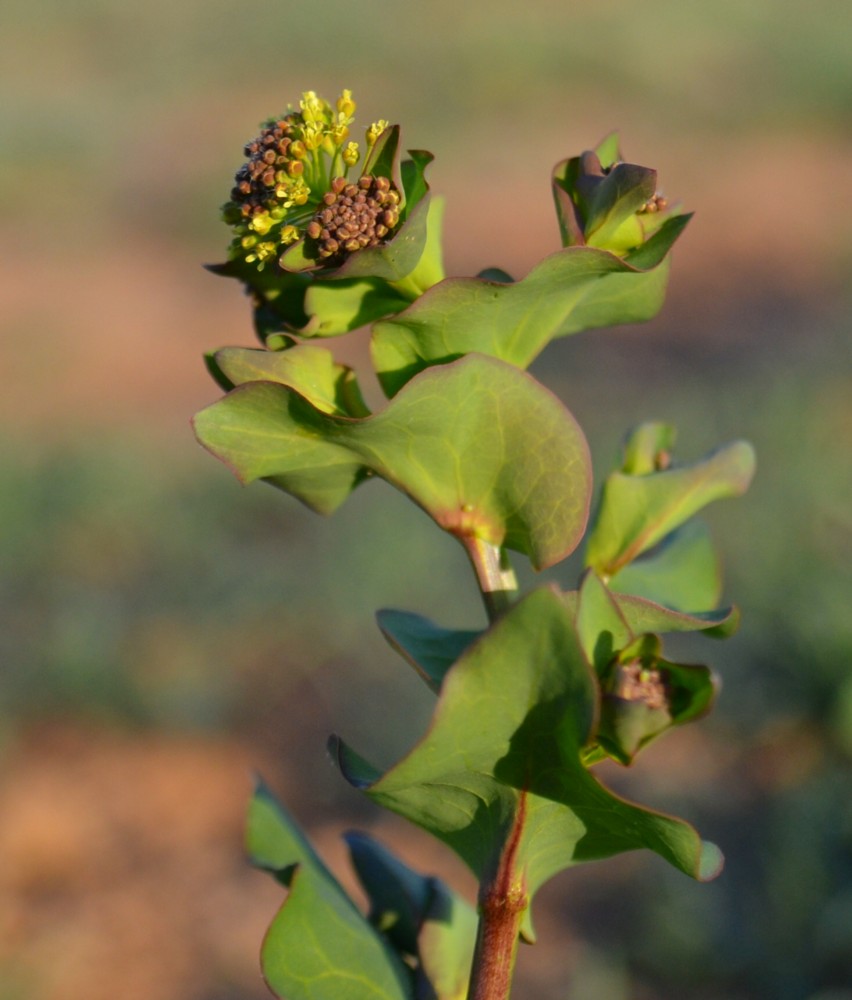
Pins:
x,y
354,216
296,174
274,167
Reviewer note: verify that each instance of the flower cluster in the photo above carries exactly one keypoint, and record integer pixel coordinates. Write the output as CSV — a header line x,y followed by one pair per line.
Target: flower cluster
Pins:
x,y
294,185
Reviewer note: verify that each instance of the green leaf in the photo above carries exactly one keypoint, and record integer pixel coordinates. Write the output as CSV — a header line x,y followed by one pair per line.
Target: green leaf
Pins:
x,y
574,289
498,775
446,943
601,625
430,649
311,371
613,206
398,896
319,946
381,159
266,431
681,572
608,151
637,512
396,258
647,616
342,305
643,615
420,916
413,173
430,267
497,457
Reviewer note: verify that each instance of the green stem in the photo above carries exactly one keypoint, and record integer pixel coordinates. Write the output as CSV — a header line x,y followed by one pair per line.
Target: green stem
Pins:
x,y
494,574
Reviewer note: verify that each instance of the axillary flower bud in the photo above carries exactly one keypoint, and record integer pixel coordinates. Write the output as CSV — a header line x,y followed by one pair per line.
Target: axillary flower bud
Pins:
x,y
606,203
295,185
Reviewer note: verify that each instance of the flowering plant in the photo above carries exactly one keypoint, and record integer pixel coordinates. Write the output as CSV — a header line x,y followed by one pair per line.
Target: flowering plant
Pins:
x,y
557,680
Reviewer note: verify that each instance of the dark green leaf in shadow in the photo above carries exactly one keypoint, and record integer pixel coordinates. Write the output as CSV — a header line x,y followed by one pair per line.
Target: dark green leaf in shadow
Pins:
x,y
398,896
467,419
420,916
264,430
498,776
430,649
348,958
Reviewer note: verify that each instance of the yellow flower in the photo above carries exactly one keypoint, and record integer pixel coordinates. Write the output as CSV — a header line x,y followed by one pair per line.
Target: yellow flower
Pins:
x,y
291,165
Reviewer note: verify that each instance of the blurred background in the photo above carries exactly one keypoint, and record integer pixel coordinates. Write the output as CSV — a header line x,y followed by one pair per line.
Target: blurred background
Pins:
x,y
165,632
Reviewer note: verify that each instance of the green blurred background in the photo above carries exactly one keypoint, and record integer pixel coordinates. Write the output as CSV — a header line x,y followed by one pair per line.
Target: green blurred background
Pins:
x,y
164,631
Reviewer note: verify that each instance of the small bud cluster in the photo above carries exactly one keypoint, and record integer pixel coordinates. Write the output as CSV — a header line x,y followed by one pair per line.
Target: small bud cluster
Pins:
x,y
656,204
354,216
633,682
285,183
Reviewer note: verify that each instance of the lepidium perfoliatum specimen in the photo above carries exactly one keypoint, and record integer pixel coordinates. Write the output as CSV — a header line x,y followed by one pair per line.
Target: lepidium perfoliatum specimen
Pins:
x,y
333,232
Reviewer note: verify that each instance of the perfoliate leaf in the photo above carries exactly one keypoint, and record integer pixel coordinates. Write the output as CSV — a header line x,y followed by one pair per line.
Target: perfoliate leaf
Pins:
x,y
637,512
498,776
336,307
574,289
467,418
348,958
311,371
396,258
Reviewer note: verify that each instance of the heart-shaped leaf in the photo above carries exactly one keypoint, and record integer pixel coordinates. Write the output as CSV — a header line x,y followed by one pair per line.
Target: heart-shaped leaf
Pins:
x,y
343,304
497,457
638,511
574,289
349,958
498,776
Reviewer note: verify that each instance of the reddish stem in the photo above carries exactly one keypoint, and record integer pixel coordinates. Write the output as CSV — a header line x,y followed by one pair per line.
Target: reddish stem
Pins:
x,y
502,903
